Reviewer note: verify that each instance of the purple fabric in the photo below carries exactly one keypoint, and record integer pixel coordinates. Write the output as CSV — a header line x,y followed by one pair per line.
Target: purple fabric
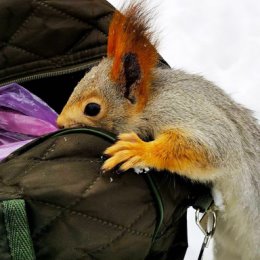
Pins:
x,y
7,137
21,100
23,116
14,122
6,149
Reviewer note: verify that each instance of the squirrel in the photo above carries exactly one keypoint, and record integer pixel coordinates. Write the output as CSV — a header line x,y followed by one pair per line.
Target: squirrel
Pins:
x,y
197,130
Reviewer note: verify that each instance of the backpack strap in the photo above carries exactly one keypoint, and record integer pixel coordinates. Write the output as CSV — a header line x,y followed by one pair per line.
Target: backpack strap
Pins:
x,y
17,230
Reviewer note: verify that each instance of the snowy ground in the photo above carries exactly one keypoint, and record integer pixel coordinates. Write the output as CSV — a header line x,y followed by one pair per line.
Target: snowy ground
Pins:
x,y
219,39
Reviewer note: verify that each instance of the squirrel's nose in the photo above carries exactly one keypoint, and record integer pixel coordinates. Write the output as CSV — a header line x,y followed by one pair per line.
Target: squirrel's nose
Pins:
x,y
60,122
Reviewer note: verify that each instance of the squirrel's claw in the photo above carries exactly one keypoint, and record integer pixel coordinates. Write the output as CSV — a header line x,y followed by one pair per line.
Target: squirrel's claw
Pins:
x,y
128,151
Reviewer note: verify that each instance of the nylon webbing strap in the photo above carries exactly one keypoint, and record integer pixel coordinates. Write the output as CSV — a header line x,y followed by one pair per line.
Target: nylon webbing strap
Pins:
x,y
17,228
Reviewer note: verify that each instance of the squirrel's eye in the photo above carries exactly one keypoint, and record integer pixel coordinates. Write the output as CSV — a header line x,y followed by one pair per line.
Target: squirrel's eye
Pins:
x,y
92,109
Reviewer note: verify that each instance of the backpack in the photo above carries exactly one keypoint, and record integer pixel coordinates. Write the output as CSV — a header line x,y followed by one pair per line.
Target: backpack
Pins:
x,y
54,203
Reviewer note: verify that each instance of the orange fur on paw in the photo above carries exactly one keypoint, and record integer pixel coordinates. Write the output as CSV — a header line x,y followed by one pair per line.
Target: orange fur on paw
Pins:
x,y
172,150
179,152
128,150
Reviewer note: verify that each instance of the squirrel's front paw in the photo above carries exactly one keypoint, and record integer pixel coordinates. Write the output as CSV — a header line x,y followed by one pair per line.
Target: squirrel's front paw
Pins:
x,y
128,151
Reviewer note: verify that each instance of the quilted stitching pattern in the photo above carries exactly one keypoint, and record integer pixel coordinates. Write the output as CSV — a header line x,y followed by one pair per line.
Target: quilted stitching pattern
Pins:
x,y
72,204
47,154
52,34
78,214
61,210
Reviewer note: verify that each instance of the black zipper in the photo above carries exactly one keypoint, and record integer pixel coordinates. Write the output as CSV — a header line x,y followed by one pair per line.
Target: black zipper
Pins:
x,y
62,71
58,72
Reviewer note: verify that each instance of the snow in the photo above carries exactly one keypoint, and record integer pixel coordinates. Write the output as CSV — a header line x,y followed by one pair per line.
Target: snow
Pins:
x,y
219,39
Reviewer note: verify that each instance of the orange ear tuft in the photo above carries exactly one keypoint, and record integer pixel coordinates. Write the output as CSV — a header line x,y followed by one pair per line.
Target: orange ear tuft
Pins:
x,y
129,33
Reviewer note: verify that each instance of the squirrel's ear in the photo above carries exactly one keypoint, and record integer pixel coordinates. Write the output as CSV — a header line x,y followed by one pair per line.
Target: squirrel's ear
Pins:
x,y
133,54
131,74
